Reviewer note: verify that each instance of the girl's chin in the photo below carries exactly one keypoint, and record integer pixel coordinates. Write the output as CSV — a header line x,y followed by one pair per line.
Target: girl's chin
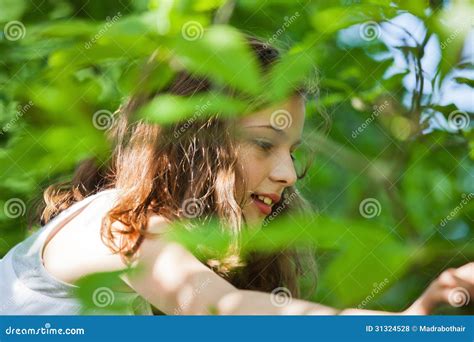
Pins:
x,y
254,221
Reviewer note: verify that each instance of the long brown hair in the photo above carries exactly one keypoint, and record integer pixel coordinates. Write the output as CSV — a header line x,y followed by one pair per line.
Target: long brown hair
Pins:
x,y
158,170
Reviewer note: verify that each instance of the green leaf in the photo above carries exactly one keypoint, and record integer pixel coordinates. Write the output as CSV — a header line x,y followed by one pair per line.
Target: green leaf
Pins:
x,y
166,109
465,80
104,294
452,25
295,70
12,9
223,56
333,19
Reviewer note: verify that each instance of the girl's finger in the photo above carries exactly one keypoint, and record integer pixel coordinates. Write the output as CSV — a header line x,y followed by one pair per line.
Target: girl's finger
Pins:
x,y
466,272
450,289
466,285
457,297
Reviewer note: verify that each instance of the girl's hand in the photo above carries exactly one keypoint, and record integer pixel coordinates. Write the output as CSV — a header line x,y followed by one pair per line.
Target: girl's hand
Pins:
x,y
455,286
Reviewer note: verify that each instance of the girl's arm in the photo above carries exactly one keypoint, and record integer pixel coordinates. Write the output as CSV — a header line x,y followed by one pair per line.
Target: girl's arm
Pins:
x,y
453,286
174,281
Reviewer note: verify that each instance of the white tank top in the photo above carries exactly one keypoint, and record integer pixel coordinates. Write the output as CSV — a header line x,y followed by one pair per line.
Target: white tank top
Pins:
x,y
26,287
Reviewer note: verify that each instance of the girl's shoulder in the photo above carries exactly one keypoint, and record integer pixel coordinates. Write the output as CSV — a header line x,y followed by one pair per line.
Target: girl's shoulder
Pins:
x,y
75,248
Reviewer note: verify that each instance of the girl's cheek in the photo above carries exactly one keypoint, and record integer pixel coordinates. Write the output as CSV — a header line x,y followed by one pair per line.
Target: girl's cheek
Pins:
x,y
247,155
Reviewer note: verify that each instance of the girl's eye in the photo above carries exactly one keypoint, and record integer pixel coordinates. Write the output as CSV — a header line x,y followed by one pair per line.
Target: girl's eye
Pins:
x,y
264,145
267,146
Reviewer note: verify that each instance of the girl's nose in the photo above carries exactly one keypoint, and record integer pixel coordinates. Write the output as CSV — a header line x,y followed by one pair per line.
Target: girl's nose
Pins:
x,y
284,171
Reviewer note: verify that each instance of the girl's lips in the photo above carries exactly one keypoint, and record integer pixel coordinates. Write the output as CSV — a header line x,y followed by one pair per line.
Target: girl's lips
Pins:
x,y
264,208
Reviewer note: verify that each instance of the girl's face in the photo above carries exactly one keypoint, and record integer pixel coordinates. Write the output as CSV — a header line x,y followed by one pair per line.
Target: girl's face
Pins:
x,y
268,140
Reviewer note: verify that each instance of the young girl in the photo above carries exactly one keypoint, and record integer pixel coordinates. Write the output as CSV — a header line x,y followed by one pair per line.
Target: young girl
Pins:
x,y
116,216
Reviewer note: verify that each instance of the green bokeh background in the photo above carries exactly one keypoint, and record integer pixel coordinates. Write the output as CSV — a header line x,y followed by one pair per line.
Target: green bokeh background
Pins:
x,y
71,59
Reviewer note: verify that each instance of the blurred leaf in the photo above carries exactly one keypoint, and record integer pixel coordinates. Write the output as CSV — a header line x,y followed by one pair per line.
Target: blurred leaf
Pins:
x,y
12,9
166,109
324,21
102,294
464,80
217,54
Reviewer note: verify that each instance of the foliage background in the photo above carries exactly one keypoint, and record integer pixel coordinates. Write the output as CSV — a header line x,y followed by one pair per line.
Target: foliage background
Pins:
x,y
396,78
